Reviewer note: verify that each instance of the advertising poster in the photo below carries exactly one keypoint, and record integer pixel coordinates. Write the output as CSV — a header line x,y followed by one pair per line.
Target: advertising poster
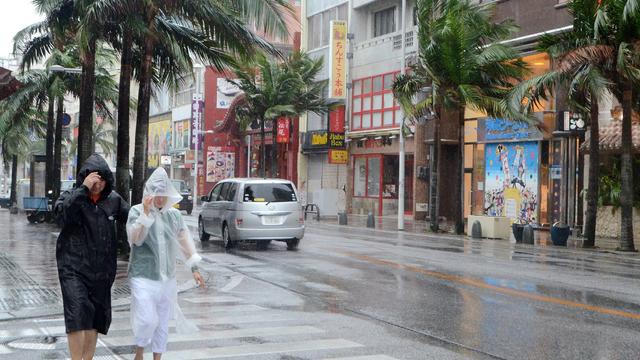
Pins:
x,y
511,181
159,142
220,164
225,92
197,112
338,59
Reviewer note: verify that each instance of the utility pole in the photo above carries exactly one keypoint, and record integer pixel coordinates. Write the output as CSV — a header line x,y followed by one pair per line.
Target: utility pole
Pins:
x,y
401,155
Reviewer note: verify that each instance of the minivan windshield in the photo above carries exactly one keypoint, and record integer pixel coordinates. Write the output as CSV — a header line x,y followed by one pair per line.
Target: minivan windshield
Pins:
x,y
180,185
279,192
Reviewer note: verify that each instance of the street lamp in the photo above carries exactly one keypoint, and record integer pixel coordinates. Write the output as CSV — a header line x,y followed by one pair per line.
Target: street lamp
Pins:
x,y
60,68
196,162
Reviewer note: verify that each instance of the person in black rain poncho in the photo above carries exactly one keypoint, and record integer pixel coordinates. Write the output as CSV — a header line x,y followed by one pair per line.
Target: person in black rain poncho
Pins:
x,y
86,254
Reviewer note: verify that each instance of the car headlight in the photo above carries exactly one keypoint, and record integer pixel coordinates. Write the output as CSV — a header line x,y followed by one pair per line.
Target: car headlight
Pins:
x,y
190,197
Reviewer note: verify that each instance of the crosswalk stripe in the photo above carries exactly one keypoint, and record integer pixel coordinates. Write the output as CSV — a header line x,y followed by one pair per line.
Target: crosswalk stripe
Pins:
x,y
239,319
222,334
217,299
364,357
5,350
209,309
257,349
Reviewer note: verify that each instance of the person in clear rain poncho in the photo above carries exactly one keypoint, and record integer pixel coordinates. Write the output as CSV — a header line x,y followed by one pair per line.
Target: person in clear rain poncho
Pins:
x,y
158,237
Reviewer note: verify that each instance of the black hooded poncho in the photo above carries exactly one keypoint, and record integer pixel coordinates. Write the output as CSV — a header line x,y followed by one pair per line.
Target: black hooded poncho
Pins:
x,y
87,248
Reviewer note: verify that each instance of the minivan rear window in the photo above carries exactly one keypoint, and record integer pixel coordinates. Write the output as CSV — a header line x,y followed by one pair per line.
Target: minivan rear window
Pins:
x,y
269,193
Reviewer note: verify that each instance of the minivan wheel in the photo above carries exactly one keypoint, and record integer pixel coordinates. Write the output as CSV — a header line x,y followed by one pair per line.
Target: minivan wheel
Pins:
x,y
292,244
226,238
204,237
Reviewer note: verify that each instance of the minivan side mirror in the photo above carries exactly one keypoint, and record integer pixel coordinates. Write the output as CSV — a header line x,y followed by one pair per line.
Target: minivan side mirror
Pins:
x,y
204,198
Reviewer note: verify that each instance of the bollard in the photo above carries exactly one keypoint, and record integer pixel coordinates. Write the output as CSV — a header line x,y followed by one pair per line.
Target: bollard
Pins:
x,y
476,230
371,222
527,235
342,218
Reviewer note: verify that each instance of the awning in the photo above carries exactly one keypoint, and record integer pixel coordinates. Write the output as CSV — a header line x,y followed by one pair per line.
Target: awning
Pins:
x,y
8,83
611,139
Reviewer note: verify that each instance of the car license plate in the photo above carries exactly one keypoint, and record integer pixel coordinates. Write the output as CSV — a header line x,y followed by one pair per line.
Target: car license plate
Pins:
x,y
272,220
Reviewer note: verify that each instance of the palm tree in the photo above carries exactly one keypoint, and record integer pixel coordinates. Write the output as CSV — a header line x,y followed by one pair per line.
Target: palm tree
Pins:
x,y
597,59
279,89
463,59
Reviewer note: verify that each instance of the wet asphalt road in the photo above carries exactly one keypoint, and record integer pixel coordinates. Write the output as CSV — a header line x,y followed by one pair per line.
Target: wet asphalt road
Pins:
x,y
482,298
384,295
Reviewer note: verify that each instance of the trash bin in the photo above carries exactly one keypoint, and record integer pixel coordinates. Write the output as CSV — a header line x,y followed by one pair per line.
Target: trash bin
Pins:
x,y
517,232
560,233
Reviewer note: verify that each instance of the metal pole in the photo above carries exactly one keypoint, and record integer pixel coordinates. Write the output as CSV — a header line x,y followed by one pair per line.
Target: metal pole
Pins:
x,y
401,155
197,130
248,156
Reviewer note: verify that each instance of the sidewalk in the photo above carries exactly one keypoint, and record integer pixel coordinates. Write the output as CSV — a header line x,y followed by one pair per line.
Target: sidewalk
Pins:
x,y
29,284
420,227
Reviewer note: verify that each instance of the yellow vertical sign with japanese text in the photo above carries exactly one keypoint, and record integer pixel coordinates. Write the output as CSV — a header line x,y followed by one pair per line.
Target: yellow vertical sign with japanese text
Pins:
x,y
338,60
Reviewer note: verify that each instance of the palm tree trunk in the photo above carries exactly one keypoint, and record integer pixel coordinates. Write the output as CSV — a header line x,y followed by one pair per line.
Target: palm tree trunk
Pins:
x,y
124,96
87,94
49,150
263,151
626,168
460,176
57,154
142,123
14,180
435,174
594,176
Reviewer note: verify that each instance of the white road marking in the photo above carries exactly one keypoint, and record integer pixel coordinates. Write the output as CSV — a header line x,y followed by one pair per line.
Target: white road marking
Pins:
x,y
235,281
223,334
258,349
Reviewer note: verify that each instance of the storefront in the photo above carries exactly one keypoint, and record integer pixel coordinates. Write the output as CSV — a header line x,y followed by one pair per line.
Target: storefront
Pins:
x,y
507,168
375,177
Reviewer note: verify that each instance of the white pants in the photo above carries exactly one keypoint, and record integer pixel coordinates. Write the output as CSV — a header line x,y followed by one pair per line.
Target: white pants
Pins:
x,y
152,304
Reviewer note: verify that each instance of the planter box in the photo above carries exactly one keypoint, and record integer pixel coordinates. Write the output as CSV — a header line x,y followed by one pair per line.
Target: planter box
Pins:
x,y
493,227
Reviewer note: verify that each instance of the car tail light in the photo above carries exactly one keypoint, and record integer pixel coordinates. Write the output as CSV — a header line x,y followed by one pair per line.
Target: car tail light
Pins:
x,y
301,220
238,222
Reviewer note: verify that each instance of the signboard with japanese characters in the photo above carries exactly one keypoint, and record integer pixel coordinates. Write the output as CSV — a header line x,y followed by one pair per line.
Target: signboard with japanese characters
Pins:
x,y
338,156
338,60
282,136
197,111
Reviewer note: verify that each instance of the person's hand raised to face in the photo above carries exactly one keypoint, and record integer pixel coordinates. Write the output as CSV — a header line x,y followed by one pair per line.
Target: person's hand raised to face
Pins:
x,y
95,183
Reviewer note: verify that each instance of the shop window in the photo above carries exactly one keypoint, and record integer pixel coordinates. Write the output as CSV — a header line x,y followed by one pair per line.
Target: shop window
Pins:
x,y
360,177
366,176
373,105
373,176
390,176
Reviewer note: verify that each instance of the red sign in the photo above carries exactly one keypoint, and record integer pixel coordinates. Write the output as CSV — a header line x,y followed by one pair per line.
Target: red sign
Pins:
x,y
283,131
336,120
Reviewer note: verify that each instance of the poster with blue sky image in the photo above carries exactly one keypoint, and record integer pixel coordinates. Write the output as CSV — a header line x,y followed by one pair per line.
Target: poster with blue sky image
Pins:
x,y
511,180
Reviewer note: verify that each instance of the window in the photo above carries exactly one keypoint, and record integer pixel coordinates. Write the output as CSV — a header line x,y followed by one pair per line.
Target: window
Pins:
x,y
366,176
224,192
269,193
390,176
373,105
384,22
231,196
213,196
319,25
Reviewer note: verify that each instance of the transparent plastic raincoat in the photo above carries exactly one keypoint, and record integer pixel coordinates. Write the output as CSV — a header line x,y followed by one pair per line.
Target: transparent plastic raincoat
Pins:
x,y
157,240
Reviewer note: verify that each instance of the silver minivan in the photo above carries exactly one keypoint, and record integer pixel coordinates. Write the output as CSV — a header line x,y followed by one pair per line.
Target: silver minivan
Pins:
x,y
257,210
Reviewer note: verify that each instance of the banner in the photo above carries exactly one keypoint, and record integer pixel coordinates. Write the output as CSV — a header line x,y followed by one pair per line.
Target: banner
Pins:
x,y
220,164
159,142
282,135
338,60
197,111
